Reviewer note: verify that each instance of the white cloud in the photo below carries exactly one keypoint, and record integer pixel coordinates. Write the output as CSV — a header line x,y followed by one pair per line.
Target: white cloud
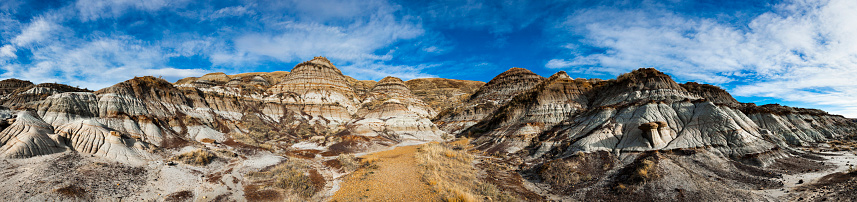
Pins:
x,y
300,41
10,5
376,71
803,51
363,38
360,35
577,61
96,9
92,62
329,10
232,11
36,31
7,51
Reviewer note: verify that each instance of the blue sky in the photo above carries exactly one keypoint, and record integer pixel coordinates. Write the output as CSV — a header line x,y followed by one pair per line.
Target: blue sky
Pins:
x,y
796,52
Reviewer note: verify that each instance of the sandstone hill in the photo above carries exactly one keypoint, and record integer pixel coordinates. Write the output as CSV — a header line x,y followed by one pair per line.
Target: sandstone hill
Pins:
x,y
292,134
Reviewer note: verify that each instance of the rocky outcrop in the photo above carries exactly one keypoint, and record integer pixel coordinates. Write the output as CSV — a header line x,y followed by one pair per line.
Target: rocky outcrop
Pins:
x,y
25,97
137,107
361,87
10,85
711,93
318,89
641,85
511,127
799,126
487,99
391,111
657,133
640,111
440,93
28,137
517,112
62,108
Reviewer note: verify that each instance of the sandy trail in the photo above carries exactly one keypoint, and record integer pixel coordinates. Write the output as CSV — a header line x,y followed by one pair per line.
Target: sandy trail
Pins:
x,y
395,178
839,160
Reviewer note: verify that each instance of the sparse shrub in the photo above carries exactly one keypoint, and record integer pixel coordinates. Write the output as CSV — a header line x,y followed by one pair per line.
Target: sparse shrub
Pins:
x,y
644,171
180,196
71,191
348,161
288,176
565,172
222,153
197,157
371,162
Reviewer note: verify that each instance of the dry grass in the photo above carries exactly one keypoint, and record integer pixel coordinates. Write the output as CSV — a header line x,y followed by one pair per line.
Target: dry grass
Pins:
x,y
842,145
563,172
71,191
452,175
643,169
643,172
348,162
180,196
290,176
197,157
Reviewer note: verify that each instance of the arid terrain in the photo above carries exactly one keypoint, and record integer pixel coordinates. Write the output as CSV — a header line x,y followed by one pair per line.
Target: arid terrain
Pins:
x,y
314,134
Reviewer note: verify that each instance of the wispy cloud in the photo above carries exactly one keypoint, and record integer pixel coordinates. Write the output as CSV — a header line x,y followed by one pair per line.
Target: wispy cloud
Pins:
x,y
375,71
802,51
97,9
80,43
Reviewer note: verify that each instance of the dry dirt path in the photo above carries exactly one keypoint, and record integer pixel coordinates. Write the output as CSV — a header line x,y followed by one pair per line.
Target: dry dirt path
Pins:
x,y
393,175
839,160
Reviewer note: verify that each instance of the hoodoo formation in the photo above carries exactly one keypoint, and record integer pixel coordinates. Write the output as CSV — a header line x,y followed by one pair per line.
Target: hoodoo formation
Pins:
x,y
294,135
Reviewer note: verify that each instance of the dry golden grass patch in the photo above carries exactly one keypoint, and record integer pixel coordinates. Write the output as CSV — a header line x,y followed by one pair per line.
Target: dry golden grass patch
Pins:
x,y
290,176
643,172
842,145
197,157
451,174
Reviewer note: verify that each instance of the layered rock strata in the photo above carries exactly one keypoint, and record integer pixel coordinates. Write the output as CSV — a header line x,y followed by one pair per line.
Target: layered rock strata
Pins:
x,y
10,85
440,93
318,89
27,96
393,112
530,113
493,95
641,111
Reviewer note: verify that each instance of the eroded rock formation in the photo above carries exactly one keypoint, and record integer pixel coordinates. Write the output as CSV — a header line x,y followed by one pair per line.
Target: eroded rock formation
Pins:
x,y
315,106
392,111
493,95
28,137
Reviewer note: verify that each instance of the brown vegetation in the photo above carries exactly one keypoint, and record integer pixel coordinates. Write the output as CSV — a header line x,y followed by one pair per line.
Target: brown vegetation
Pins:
x,y
348,162
291,176
580,170
197,157
452,175
180,196
71,191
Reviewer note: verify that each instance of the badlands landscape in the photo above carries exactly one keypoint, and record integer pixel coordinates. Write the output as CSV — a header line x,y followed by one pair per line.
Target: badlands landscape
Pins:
x,y
310,133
